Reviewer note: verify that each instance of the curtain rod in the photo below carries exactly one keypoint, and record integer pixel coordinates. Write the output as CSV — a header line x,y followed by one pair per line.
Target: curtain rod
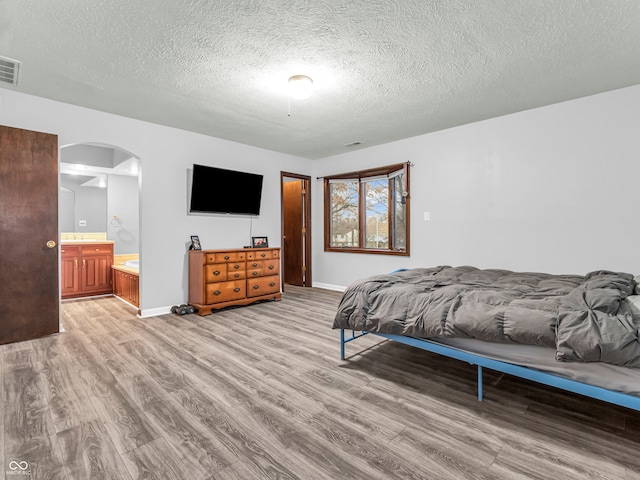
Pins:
x,y
409,163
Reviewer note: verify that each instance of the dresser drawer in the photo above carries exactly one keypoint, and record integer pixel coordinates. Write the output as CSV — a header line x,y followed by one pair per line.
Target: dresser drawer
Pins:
x,y
263,255
263,285
236,271
235,267
225,257
271,267
253,264
215,273
254,273
225,291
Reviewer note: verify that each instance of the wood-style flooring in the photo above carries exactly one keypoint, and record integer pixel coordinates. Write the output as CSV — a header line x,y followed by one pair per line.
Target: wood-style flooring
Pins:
x,y
260,392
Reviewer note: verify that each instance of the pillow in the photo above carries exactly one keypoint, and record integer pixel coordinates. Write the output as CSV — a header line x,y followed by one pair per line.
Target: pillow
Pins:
x,y
637,279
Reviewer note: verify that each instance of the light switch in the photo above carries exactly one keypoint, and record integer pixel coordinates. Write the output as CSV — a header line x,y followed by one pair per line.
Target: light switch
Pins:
x,y
427,216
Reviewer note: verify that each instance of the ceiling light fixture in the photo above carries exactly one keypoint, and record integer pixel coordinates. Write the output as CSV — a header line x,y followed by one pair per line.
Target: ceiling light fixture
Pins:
x,y
300,87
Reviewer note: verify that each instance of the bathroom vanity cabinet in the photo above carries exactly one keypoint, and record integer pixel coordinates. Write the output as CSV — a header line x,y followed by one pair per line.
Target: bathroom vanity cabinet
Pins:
x,y
86,269
223,278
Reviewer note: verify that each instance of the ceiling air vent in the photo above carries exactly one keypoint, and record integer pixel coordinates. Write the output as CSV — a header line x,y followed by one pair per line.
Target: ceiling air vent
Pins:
x,y
9,70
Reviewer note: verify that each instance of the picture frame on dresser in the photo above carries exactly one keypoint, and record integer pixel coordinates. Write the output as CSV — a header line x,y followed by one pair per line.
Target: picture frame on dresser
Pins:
x,y
259,242
195,243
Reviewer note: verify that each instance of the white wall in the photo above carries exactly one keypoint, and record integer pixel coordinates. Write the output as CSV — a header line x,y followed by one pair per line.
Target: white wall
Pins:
x,y
554,189
122,201
166,154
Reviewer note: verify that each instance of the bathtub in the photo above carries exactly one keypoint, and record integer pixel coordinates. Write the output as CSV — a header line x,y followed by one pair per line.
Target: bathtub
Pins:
x,y
126,281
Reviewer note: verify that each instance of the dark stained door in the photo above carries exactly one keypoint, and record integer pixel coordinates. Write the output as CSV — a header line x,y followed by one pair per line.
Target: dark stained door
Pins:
x,y
293,226
29,285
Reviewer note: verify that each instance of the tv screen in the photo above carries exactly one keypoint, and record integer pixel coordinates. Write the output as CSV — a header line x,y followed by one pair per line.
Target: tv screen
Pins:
x,y
216,190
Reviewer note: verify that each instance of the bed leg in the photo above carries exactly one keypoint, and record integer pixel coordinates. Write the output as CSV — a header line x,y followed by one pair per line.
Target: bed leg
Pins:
x,y
342,344
479,383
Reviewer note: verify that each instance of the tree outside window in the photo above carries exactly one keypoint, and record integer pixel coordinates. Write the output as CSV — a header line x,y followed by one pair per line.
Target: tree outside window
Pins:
x,y
344,214
367,211
377,213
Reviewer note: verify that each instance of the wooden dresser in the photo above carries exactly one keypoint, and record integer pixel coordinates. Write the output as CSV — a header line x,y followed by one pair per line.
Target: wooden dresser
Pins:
x,y
222,278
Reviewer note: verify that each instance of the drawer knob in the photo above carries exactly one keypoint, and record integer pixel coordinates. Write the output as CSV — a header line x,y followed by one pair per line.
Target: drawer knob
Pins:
x,y
254,273
255,287
254,265
263,255
236,275
217,292
236,266
236,289
271,267
226,257
217,272
272,284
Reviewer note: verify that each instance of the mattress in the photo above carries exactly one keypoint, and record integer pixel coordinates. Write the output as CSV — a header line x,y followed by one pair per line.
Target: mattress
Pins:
x,y
611,377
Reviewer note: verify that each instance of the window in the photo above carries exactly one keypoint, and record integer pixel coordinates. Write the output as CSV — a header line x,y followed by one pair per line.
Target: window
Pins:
x,y
368,211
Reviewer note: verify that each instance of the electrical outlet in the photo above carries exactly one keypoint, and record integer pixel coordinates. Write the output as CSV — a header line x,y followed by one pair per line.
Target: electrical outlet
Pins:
x,y
82,223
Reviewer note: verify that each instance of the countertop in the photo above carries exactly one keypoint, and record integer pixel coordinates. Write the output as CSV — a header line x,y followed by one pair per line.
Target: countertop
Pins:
x,y
122,268
86,242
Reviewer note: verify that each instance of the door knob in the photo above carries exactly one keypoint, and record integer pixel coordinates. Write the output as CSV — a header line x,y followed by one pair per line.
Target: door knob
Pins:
x,y
51,244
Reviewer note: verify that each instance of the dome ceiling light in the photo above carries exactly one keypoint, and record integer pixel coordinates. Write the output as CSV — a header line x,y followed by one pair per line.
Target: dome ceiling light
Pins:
x,y
300,87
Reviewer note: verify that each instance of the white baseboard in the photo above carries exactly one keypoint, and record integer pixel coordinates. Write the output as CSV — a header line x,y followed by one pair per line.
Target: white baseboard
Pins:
x,y
328,286
125,302
154,312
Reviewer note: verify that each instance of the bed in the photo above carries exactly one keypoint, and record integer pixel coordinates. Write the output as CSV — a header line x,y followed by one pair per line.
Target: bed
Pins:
x,y
576,333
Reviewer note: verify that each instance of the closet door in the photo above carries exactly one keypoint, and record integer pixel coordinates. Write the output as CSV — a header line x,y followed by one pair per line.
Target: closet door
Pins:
x,y
29,282
293,198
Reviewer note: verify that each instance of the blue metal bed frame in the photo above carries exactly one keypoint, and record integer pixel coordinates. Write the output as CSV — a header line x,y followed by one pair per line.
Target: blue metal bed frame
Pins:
x,y
616,398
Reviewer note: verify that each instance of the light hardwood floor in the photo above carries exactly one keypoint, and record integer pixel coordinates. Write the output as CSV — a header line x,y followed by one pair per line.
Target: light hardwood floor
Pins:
x,y
260,392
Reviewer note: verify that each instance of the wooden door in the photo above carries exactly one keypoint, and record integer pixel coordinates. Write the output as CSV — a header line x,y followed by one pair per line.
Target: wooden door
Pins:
x,y
29,283
293,227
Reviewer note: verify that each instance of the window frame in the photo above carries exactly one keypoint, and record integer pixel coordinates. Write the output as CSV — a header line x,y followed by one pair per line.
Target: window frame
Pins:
x,y
361,176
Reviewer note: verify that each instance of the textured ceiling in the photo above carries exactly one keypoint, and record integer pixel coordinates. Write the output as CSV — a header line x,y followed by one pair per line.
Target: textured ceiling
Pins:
x,y
383,69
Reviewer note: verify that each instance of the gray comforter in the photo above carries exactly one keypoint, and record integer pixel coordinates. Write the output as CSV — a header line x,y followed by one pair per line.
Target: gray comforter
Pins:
x,y
583,317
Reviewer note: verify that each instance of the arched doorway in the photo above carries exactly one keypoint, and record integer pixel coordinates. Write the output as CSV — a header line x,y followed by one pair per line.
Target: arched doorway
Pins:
x,y
99,199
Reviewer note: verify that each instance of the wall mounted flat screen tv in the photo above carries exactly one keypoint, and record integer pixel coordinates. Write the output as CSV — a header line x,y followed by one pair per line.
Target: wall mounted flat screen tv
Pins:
x,y
216,190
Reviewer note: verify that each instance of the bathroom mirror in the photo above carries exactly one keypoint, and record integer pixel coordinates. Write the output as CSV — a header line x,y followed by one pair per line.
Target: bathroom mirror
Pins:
x,y
83,202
